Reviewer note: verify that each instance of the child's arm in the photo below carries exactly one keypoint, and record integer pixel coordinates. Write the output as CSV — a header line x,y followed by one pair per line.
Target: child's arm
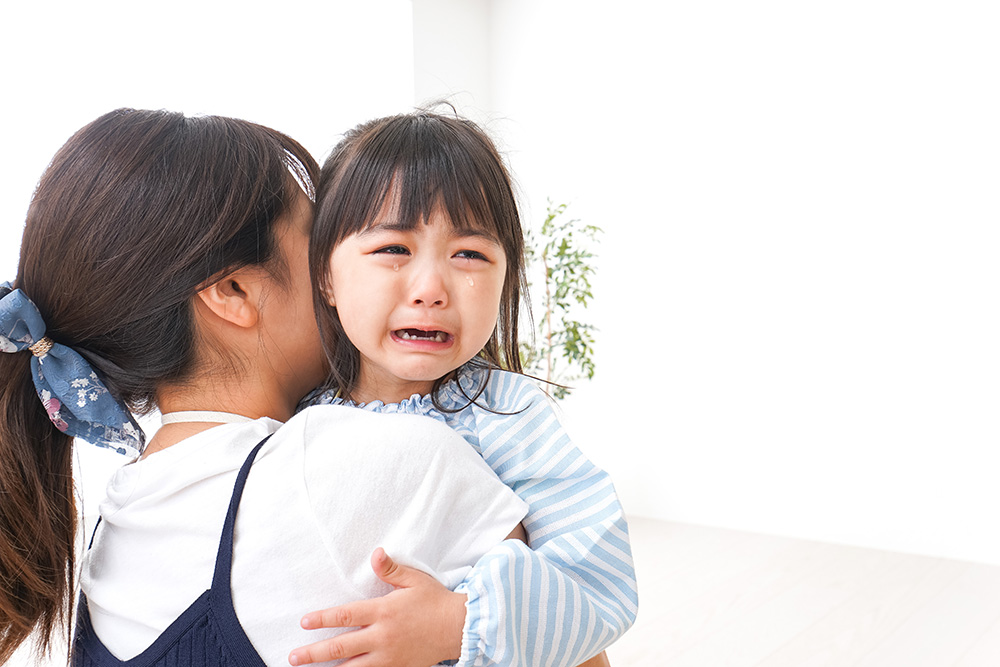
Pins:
x,y
574,591
599,660
566,598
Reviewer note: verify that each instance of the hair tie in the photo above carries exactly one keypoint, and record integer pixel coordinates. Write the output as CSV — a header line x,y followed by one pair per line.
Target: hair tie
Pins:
x,y
77,401
42,347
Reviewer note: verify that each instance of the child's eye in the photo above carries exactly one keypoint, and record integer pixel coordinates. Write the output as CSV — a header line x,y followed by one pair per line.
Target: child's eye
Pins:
x,y
392,250
471,254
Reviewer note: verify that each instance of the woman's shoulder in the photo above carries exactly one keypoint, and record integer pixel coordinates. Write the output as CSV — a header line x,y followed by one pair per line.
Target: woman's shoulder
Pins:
x,y
342,430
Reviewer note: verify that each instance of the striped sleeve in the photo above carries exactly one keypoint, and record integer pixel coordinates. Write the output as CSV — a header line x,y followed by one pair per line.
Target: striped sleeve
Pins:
x,y
573,592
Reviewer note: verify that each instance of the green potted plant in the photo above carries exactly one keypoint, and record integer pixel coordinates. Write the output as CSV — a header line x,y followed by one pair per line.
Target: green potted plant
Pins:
x,y
562,347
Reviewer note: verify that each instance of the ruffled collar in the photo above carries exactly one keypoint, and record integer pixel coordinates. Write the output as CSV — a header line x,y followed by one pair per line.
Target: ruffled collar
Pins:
x,y
454,395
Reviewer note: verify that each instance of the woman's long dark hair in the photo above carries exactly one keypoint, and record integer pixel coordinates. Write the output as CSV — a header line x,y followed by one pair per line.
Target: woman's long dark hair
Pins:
x,y
136,213
425,160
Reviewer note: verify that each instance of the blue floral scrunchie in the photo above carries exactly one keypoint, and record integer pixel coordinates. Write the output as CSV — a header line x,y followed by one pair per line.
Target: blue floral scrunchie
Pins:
x,y
78,402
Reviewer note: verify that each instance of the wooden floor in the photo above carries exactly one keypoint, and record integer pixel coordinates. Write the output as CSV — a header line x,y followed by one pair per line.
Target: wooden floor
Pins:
x,y
717,598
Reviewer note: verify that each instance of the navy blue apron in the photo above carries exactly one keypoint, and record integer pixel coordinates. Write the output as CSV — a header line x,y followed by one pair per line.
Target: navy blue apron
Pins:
x,y
207,634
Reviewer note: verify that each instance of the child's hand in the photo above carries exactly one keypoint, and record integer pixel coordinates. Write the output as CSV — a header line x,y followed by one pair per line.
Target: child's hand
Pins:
x,y
416,625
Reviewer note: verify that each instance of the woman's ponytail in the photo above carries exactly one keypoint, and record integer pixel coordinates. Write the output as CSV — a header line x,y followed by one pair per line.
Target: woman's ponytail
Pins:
x,y
38,517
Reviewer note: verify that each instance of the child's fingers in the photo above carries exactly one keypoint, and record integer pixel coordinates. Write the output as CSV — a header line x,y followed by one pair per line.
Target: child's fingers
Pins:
x,y
391,572
343,646
382,565
352,615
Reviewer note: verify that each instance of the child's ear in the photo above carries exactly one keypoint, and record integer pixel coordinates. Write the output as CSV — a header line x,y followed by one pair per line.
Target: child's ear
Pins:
x,y
231,299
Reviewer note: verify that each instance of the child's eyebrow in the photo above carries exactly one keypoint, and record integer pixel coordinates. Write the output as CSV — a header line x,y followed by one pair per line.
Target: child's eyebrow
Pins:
x,y
472,232
378,227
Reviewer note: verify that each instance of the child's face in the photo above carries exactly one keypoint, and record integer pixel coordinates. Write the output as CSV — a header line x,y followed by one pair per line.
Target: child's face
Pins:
x,y
416,303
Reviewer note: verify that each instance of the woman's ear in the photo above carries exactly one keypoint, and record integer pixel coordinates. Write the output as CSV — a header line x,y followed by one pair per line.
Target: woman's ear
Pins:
x,y
326,290
232,300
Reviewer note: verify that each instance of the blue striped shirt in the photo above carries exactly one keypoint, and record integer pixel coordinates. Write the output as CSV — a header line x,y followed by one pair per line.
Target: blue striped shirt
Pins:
x,y
573,592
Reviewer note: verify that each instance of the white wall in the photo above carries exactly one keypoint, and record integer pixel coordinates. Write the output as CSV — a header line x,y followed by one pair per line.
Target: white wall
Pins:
x,y
310,69
798,282
451,53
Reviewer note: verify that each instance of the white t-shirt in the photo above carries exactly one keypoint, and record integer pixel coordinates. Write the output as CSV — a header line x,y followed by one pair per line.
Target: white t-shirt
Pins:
x,y
331,486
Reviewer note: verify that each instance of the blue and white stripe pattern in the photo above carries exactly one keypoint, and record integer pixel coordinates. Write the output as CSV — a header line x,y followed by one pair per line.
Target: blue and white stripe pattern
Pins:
x,y
573,592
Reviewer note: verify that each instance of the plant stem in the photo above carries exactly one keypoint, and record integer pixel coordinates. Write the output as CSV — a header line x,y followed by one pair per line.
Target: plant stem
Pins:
x,y
548,318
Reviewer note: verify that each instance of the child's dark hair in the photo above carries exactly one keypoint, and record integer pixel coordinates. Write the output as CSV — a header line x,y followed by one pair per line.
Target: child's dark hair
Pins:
x,y
424,161
136,213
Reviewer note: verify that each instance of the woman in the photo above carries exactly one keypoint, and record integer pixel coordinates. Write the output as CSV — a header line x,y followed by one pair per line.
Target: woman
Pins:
x,y
163,264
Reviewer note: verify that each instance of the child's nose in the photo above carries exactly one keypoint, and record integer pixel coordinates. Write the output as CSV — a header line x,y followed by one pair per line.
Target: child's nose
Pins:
x,y
429,287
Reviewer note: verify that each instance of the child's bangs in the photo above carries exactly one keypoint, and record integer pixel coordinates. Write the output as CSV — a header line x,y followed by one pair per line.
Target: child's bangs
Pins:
x,y
419,191
413,168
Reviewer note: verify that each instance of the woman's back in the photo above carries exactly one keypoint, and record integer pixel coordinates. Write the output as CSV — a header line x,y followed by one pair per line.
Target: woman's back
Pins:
x,y
328,488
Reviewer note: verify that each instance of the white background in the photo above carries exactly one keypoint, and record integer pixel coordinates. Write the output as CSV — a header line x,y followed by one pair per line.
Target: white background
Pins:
x,y
798,281
310,69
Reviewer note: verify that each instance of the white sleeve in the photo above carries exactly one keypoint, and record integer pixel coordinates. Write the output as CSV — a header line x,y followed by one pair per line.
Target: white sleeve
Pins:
x,y
406,483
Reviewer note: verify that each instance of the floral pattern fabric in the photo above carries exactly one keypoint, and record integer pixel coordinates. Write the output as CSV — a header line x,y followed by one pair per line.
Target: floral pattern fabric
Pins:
x,y
76,400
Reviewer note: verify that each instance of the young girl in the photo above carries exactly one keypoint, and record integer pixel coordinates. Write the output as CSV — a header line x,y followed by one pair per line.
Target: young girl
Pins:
x,y
417,251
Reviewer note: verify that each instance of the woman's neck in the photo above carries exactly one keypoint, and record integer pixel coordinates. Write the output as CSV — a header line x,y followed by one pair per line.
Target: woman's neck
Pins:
x,y
251,399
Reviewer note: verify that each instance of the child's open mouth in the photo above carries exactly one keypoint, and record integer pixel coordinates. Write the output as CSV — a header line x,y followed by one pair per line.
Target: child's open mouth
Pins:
x,y
420,334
